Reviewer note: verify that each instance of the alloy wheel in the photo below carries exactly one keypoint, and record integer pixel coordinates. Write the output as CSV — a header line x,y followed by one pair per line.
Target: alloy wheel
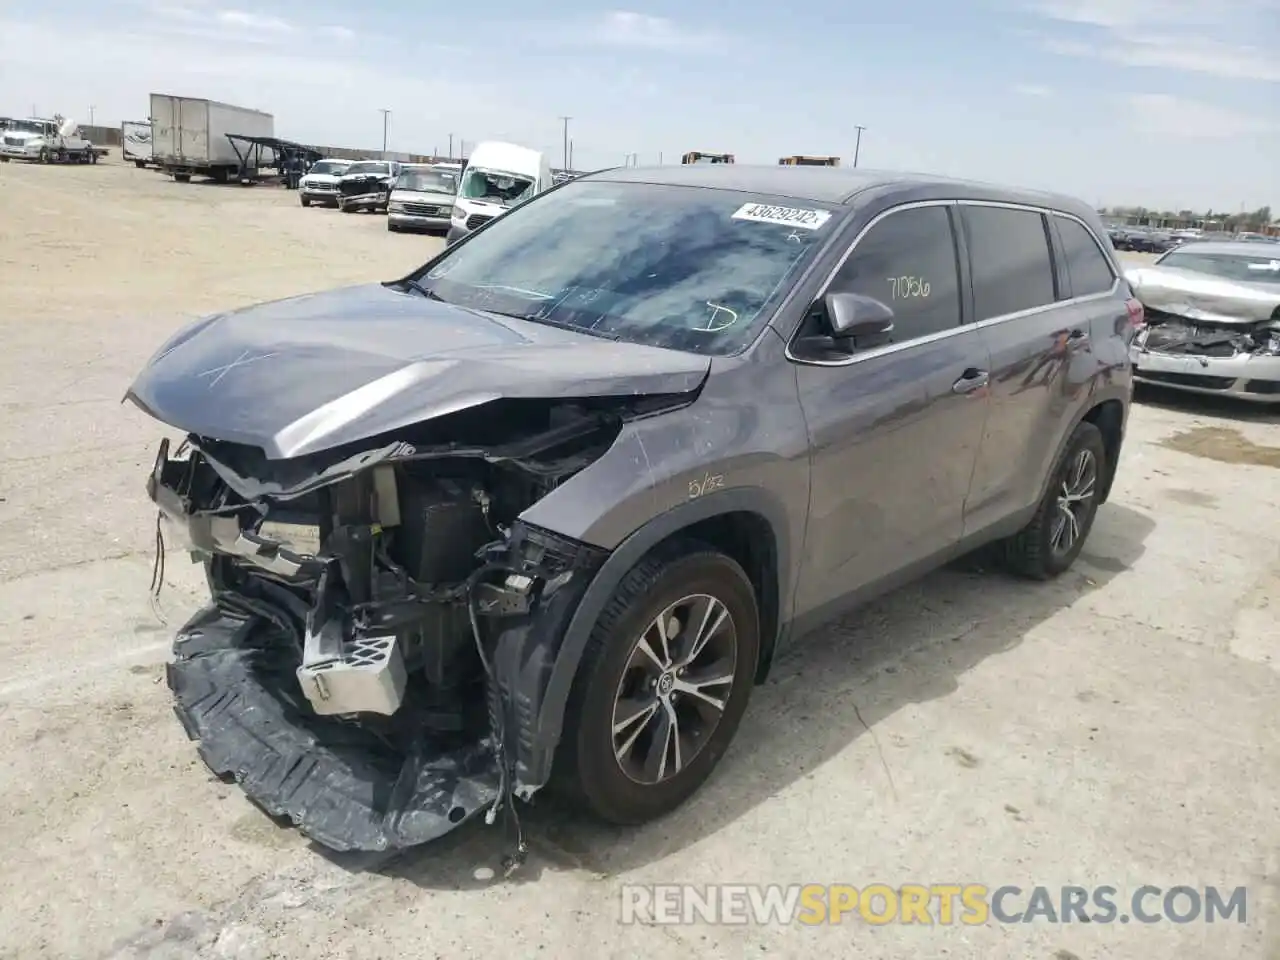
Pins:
x,y
1075,500
674,688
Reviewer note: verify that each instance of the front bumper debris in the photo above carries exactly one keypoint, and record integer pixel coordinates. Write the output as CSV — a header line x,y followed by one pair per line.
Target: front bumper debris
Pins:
x,y
1235,371
346,786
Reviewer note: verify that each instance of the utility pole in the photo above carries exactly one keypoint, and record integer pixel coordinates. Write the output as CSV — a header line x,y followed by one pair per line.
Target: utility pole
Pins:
x,y
451,146
857,147
570,167
91,114
659,158
386,116
566,140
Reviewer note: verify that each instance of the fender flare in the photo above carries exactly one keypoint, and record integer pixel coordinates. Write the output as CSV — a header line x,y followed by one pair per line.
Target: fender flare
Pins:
x,y
1096,399
618,564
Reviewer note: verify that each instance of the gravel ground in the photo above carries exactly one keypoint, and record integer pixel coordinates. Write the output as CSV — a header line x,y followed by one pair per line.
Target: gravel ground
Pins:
x,y
1119,726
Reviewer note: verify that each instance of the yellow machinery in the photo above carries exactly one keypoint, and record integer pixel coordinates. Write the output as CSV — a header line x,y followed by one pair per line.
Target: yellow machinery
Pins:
x,y
809,162
695,156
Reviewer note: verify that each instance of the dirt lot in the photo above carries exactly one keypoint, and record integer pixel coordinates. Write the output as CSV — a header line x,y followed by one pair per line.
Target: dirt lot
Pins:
x,y
1119,727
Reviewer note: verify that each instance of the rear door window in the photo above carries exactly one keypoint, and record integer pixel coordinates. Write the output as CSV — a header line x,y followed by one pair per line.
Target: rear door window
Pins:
x,y
1087,266
908,262
1011,259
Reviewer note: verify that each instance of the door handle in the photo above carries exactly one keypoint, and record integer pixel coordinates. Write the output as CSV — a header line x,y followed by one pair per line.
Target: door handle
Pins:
x,y
972,379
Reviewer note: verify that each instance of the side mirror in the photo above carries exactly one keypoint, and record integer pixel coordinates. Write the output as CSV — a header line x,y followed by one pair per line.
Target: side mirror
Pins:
x,y
857,317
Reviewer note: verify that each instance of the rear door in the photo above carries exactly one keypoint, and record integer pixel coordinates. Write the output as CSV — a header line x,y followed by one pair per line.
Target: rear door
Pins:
x,y
165,138
1039,338
894,427
193,124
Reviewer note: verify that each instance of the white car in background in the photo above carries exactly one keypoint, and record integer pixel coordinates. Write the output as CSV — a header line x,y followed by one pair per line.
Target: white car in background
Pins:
x,y
320,183
422,198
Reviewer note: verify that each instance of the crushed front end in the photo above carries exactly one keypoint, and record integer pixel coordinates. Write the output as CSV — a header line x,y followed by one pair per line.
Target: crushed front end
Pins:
x,y
1240,359
380,621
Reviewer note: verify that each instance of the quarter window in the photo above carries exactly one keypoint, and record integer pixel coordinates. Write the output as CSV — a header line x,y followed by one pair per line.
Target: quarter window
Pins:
x,y
908,262
1012,265
1087,265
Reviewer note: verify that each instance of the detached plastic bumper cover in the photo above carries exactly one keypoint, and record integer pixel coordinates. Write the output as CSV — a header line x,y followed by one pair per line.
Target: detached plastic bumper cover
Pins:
x,y
340,784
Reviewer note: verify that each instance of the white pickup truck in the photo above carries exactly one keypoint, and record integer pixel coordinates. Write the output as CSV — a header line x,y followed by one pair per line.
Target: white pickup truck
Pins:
x,y
46,141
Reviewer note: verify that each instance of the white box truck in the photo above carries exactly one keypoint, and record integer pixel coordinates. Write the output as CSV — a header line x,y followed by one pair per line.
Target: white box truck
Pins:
x,y
135,142
189,136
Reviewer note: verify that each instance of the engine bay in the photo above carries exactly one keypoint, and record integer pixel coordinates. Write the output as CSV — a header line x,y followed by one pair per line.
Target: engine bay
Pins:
x,y
349,670
1173,334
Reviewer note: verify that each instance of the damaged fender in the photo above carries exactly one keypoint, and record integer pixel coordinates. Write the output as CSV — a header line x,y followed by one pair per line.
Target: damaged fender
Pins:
x,y
538,658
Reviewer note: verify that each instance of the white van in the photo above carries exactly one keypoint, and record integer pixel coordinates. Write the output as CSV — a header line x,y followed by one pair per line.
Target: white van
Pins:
x,y
422,198
497,177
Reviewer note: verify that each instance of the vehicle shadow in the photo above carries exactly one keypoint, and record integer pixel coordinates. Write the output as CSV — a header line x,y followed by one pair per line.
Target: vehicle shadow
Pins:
x,y
819,699
1205,405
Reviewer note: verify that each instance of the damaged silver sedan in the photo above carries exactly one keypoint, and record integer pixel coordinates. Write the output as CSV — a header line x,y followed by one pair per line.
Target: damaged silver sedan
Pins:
x,y
1212,321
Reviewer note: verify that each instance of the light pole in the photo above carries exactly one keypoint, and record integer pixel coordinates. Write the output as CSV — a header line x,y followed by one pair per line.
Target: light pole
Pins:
x,y
451,146
91,114
570,167
386,117
566,140
857,146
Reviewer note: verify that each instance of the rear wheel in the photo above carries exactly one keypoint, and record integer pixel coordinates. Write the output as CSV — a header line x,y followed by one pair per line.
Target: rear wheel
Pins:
x,y
1050,543
662,686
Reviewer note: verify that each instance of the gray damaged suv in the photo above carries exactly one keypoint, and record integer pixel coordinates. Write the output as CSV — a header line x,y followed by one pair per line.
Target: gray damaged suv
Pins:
x,y
543,511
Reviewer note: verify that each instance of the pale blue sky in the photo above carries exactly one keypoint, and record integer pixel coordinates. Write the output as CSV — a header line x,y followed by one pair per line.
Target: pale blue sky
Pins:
x,y
1163,102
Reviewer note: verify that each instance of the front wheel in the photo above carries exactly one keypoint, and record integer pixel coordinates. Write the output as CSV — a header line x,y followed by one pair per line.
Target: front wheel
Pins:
x,y
1050,543
304,201
662,686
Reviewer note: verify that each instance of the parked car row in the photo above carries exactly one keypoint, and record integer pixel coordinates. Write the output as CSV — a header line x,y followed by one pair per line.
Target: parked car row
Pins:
x,y
452,197
1151,240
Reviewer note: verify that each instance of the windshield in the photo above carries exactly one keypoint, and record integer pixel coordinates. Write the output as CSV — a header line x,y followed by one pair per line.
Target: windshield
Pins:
x,y
28,126
428,181
333,168
1259,269
494,186
679,267
367,167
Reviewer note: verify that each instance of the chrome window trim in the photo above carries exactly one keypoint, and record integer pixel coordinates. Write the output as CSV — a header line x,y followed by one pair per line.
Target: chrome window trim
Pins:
x,y
961,328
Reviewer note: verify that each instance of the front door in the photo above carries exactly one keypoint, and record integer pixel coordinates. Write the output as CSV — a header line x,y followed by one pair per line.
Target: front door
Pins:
x,y
894,427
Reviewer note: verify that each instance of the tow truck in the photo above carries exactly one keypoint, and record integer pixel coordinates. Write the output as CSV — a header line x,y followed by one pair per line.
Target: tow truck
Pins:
x,y
800,161
47,141
696,156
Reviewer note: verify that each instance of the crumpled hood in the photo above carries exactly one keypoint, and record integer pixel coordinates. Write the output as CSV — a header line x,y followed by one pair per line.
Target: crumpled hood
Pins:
x,y
1198,296
314,372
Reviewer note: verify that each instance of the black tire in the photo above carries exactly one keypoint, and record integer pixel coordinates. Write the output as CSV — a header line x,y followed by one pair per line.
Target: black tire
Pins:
x,y
182,178
1032,552
43,157
587,771
304,201
392,228
140,164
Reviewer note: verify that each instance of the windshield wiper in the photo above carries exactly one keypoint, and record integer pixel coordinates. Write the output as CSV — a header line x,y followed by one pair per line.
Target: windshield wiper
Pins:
x,y
558,324
425,291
